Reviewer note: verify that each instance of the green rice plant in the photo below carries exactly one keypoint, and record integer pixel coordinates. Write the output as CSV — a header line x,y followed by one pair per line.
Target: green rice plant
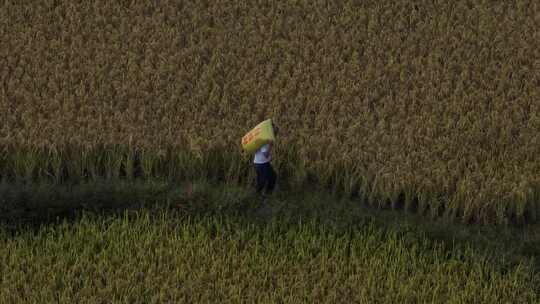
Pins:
x,y
174,162
129,163
188,165
214,163
410,199
113,156
235,171
75,163
352,180
94,166
375,197
4,165
56,165
153,163
25,164
423,200
160,256
149,163
290,167
532,211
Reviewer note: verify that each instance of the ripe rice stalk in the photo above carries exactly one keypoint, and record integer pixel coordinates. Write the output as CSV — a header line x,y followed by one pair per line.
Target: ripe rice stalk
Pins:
x,y
149,163
300,171
468,213
171,169
4,164
56,165
423,201
410,199
188,165
394,194
76,163
25,164
234,168
353,181
42,165
374,195
299,174
176,172
436,206
523,195
113,156
216,163
94,162
532,209
501,212
451,208
361,186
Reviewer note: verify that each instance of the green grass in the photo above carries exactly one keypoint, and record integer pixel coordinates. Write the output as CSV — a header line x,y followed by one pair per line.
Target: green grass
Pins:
x,y
153,242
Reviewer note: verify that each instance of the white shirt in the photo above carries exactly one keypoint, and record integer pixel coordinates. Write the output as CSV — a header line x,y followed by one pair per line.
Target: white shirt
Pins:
x,y
259,155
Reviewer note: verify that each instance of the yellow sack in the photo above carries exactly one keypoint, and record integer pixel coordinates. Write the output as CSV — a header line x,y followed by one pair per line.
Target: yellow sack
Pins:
x,y
262,134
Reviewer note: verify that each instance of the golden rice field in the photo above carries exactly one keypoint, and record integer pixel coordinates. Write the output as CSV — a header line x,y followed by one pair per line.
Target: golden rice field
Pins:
x,y
431,106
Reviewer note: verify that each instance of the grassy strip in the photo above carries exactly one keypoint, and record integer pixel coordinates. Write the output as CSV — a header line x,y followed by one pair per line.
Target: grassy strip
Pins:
x,y
212,244
161,258
105,164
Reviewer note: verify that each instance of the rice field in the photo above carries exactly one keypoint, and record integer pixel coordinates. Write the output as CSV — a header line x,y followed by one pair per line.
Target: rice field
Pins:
x,y
428,106
109,108
215,245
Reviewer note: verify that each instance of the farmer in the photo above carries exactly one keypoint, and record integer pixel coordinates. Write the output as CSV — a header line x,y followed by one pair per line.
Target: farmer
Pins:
x,y
266,176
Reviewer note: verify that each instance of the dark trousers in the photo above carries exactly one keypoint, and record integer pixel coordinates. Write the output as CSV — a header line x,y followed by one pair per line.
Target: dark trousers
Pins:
x,y
266,176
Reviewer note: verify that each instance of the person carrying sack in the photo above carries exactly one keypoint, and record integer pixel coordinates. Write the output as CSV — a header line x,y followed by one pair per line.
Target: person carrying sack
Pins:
x,y
260,141
266,176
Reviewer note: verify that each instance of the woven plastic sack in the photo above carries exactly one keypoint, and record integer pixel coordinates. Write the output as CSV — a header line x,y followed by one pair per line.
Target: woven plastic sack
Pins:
x,y
262,134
